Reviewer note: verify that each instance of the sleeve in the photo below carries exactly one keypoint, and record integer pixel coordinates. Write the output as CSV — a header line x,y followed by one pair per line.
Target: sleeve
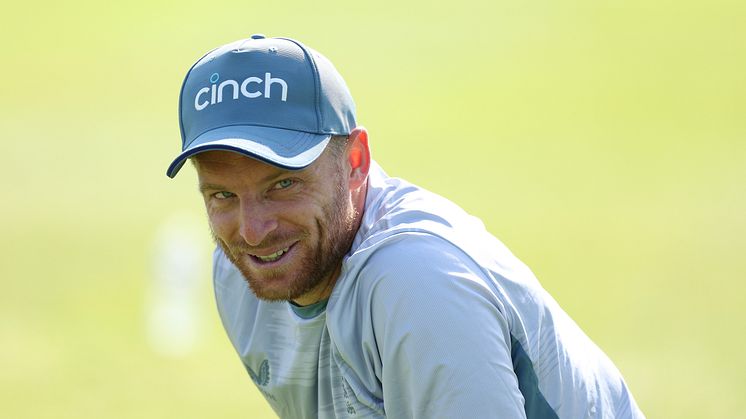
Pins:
x,y
443,341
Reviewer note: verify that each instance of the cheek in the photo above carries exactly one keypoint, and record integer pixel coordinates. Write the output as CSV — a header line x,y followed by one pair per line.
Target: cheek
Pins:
x,y
222,223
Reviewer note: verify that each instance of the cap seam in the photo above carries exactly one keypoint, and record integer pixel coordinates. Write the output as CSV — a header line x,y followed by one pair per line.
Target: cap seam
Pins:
x,y
316,81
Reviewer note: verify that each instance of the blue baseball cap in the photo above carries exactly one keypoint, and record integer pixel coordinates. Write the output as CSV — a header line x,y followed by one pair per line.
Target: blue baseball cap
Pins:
x,y
272,99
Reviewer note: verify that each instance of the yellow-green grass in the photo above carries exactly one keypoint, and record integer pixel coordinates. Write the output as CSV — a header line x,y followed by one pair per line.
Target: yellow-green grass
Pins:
x,y
603,143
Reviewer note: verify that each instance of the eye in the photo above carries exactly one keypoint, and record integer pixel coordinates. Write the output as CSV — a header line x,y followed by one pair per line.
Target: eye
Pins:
x,y
223,195
284,184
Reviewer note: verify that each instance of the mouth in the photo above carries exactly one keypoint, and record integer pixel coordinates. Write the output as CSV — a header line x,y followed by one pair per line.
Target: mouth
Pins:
x,y
272,257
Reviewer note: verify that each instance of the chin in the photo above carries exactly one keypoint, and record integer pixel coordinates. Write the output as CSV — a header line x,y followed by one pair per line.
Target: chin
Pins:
x,y
278,286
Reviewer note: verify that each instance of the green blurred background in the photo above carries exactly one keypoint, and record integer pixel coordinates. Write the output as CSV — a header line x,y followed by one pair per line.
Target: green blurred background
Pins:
x,y
602,141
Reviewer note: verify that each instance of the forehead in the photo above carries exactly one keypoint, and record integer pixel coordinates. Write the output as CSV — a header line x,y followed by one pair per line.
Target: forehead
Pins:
x,y
227,163
223,158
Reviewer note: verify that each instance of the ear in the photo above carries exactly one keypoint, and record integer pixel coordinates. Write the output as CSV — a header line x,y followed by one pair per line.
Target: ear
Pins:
x,y
358,157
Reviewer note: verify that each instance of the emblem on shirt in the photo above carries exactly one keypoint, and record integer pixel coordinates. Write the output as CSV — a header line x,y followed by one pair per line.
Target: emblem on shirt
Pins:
x,y
347,393
262,378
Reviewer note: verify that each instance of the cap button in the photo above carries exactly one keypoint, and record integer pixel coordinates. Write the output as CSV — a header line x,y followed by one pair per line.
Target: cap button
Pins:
x,y
258,36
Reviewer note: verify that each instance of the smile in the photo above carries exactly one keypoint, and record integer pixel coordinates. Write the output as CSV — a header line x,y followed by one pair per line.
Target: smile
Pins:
x,y
274,256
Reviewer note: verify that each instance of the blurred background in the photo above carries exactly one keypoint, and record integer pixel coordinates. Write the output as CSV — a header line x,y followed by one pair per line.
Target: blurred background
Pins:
x,y
602,141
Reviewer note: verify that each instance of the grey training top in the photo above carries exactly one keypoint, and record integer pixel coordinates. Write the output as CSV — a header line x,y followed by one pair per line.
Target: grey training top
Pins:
x,y
432,317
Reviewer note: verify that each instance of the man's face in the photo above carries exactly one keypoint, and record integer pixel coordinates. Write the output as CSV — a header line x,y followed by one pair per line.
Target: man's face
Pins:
x,y
286,231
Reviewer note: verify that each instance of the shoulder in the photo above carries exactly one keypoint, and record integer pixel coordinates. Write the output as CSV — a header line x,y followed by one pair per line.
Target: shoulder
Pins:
x,y
407,255
429,308
412,288
415,268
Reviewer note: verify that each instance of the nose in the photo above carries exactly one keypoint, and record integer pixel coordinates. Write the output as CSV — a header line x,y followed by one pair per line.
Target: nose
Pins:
x,y
257,221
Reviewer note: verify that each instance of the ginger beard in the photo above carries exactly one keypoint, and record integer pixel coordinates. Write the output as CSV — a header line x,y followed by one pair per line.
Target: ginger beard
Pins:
x,y
316,263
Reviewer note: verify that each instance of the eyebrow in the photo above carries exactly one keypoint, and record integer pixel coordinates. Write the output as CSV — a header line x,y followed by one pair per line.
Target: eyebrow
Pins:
x,y
210,187
266,179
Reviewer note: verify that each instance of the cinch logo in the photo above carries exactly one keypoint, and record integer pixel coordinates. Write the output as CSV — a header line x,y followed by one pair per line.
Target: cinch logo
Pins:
x,y
245,89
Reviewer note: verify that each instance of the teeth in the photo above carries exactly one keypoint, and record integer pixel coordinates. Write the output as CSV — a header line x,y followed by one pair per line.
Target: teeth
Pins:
x,y
274,256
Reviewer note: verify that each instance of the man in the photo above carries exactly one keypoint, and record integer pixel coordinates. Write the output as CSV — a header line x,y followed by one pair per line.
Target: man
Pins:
x,y
347,293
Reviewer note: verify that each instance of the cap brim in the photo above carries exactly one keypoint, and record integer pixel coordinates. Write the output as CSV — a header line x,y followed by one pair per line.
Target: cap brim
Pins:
x,y
283,148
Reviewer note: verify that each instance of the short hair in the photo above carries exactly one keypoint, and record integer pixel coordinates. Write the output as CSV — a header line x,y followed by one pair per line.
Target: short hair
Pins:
x,y
337,145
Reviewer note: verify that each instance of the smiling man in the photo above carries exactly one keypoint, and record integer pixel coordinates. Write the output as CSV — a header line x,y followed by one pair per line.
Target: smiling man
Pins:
x,y
348,293
286,231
